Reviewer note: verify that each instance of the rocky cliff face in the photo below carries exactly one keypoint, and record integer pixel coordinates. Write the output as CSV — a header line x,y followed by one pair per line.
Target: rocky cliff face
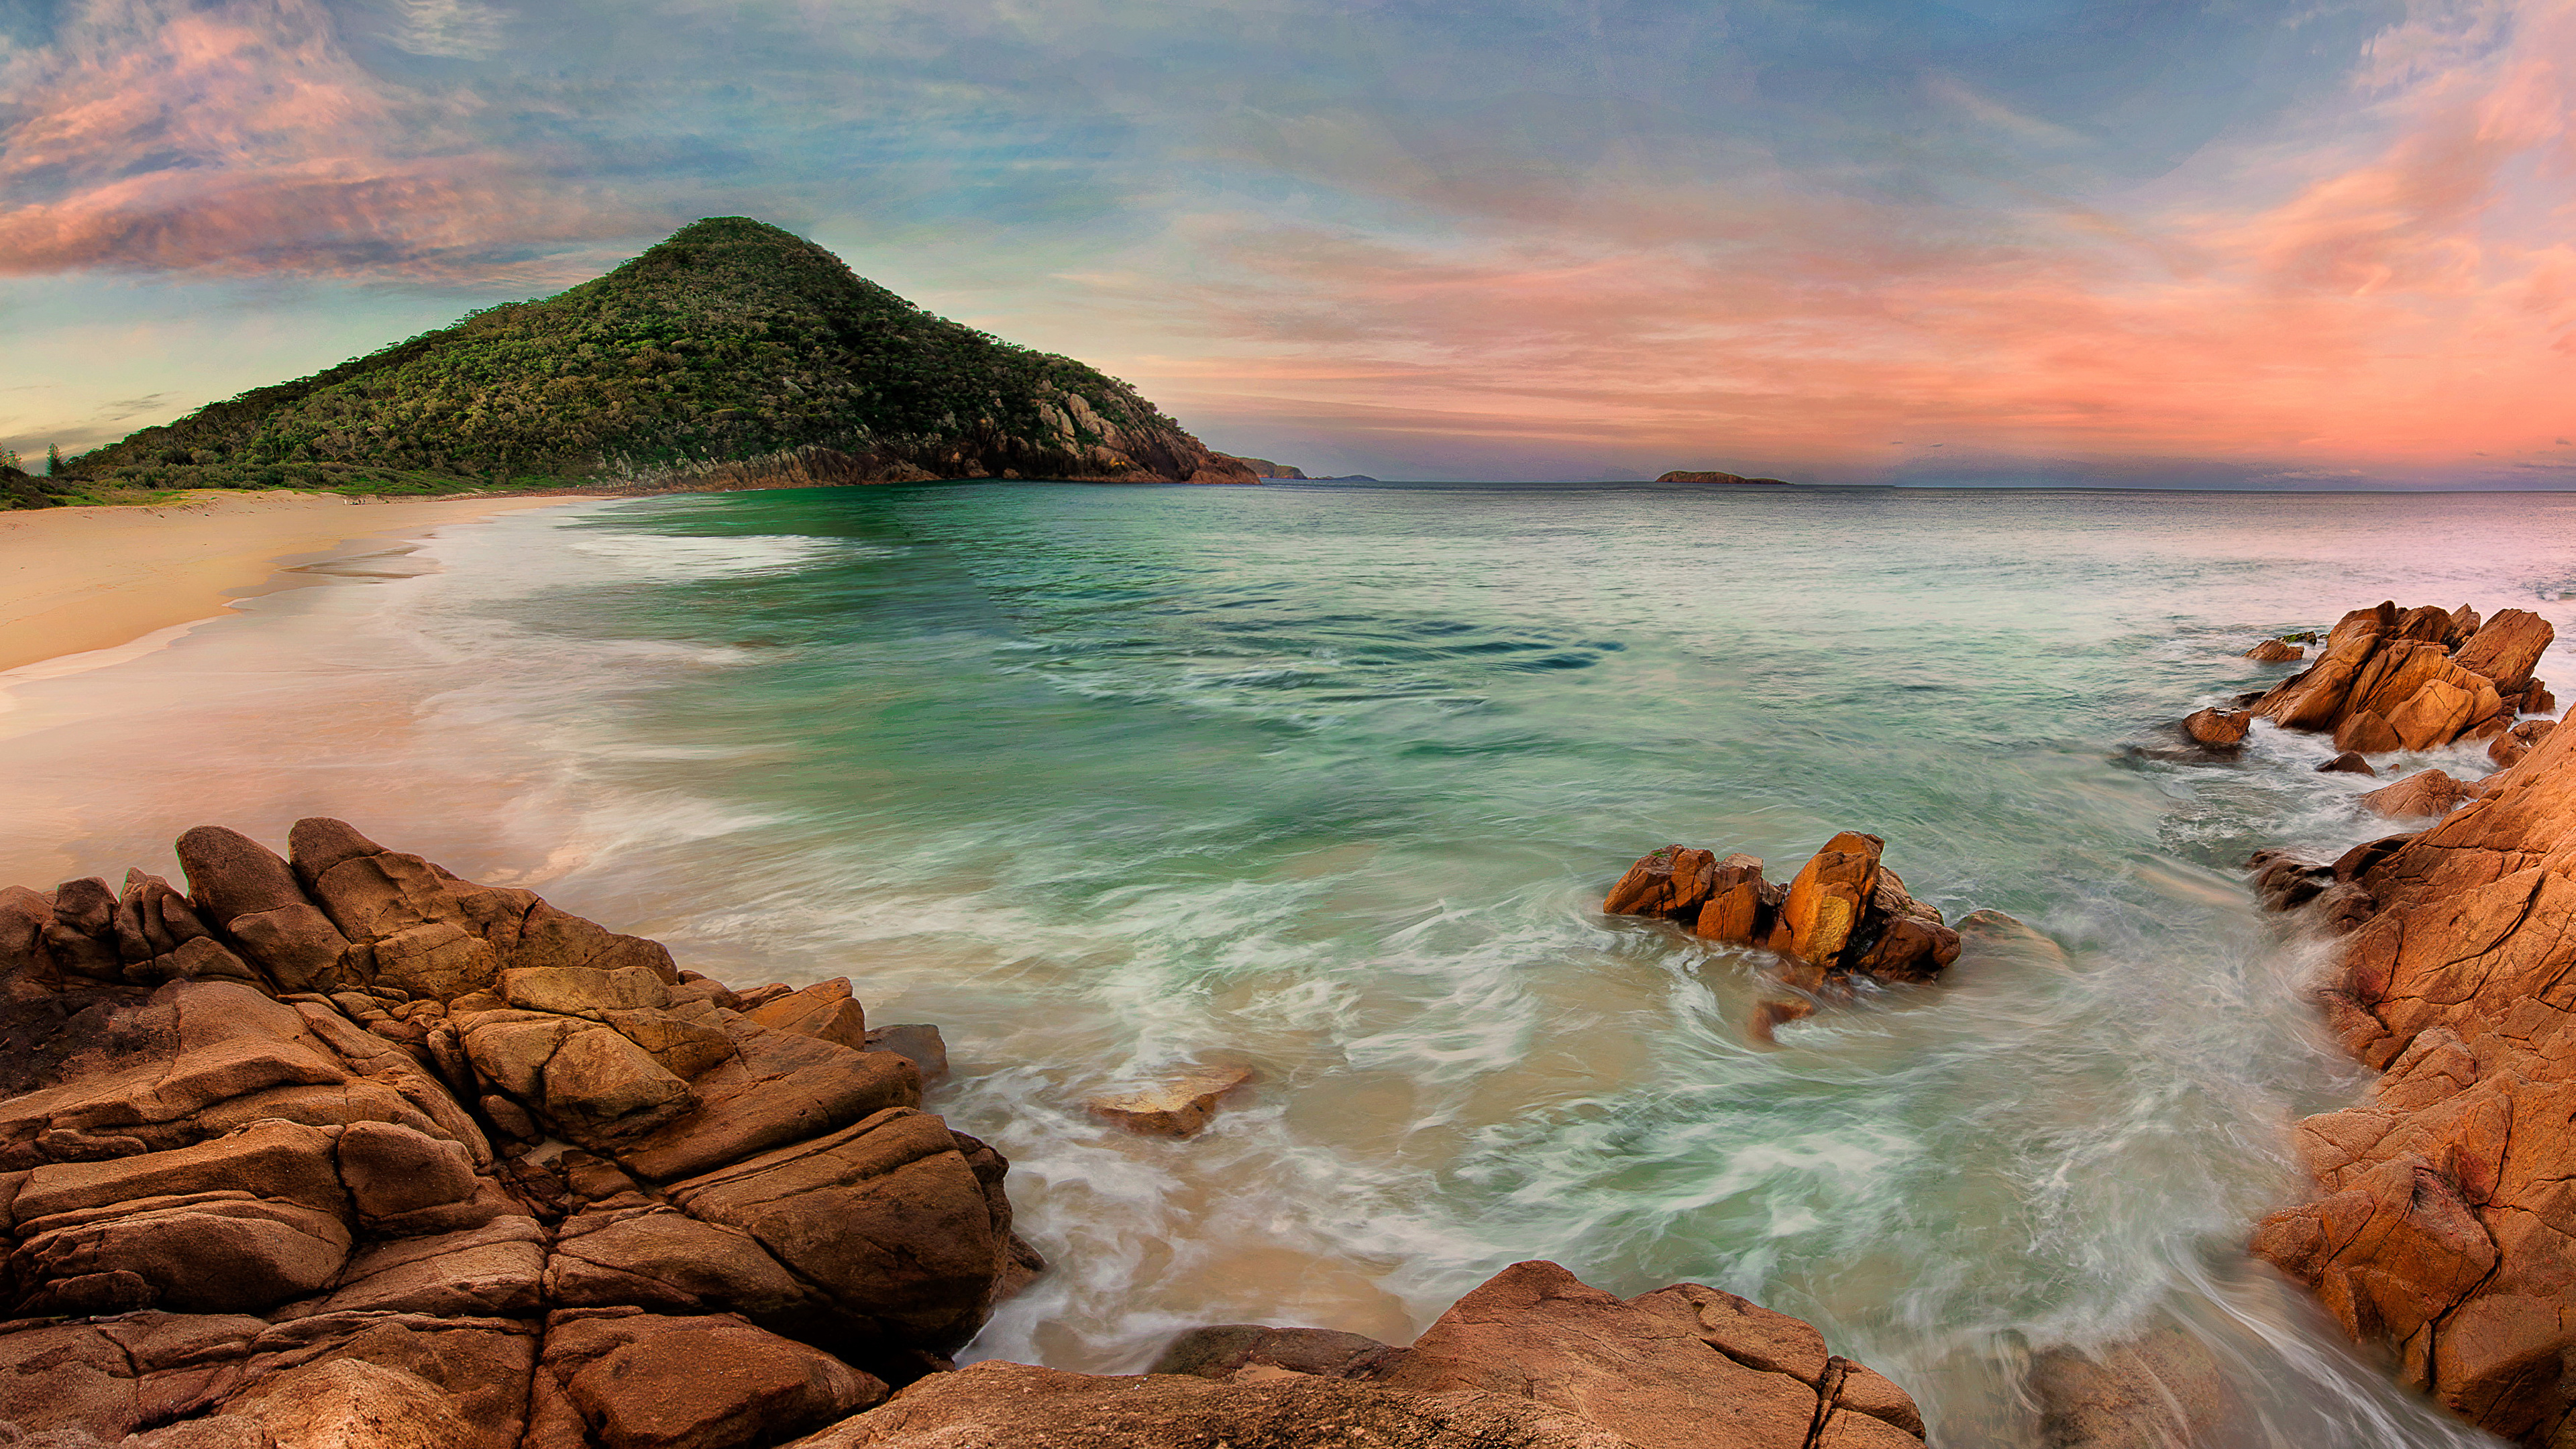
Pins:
x,y
2445,1227
335,1148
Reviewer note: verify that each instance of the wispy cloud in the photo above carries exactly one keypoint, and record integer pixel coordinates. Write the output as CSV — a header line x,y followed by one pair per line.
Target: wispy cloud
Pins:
x,y
2285,237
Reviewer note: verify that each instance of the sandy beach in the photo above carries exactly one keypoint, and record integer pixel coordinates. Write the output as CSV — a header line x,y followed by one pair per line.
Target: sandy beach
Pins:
x,y
77,579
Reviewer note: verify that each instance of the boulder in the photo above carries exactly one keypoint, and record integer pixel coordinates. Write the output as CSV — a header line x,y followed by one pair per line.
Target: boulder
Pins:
x,y
823,1010
1823,911
2426,792
915,1042
2365,732
1661,1371
2433,715
1671,883
2348,763
346,1404
657,1257
2274,651
998,1403
646,1381
2217,728
1249,1352
890,1219
2508,648
2160,1389
2511,745
1177,1106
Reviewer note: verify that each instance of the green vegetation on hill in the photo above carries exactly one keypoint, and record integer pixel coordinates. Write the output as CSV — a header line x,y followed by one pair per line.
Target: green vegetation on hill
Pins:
x,y
729,343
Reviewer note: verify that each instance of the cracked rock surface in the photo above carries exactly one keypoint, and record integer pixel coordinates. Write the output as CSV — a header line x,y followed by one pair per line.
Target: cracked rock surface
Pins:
x,y
2445,1228
339,1149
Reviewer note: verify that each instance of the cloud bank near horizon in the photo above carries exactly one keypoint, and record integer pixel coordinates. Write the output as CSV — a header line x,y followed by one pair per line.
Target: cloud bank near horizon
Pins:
x,y
2271,241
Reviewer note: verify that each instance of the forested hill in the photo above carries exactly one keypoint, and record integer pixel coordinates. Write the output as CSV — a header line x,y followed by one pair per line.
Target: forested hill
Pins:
x,y
733,352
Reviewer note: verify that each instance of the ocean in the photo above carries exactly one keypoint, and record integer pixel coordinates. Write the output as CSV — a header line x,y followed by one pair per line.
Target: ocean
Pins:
x,y
1329,781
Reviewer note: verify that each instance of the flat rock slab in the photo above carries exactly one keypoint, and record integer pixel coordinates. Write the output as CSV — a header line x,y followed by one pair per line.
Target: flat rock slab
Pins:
x,y
1177,1107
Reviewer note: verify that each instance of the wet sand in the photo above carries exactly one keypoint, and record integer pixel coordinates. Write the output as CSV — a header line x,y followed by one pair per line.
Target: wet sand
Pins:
x,y
74,580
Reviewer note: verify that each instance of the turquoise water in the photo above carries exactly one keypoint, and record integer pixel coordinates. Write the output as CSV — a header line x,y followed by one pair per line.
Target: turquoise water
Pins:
x,y
1329,782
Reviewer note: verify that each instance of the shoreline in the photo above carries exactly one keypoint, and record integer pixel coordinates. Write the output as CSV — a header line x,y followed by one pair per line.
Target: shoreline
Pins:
x,y
94,577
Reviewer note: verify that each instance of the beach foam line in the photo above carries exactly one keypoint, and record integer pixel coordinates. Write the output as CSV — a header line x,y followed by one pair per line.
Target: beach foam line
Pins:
x,y
79,581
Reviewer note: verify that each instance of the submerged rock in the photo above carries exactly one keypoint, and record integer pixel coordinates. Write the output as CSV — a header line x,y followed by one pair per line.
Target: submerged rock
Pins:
x,y
2426,792
2217,728
2349,762
2276,651
2159,1390
1175,1107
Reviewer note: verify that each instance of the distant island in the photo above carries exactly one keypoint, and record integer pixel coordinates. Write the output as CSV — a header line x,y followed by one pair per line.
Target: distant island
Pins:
x,y
733,354
1685,476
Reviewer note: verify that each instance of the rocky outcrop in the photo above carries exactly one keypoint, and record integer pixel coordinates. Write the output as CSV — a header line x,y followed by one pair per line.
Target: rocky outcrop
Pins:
x,y
337,1148
2415,679
2217,729
1264,468
2426,792
2276,651
337,1135
2445,1227
1844,914
1534,1359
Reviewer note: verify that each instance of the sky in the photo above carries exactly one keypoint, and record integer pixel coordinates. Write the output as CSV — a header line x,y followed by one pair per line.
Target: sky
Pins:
x,y
2269,243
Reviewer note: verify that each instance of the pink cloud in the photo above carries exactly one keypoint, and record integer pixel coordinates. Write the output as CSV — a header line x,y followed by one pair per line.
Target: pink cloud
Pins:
x,y
241,137
2405,303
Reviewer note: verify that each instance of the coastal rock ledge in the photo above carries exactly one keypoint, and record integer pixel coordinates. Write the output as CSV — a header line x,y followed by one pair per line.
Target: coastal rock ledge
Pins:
x,y
2445,1225
337,1148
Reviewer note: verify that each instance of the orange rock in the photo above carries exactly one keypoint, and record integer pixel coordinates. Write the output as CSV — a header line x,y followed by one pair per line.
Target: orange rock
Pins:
x,y
1671,883
2508,647
2217,728
2364,732
2433,715
1740,905
1177,1107
2273,651
2442,1229
2426,792
2348,763
1825,901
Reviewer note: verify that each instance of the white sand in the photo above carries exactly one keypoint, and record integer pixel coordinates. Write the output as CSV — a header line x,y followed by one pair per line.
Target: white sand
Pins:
x,y
78,579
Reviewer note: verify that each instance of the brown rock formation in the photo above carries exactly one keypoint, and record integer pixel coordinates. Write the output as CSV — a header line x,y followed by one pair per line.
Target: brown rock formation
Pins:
x,y
2414,679
2276,651
1844,914
2446,1229
2217,729
1534,1359
2426,792
267,1157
